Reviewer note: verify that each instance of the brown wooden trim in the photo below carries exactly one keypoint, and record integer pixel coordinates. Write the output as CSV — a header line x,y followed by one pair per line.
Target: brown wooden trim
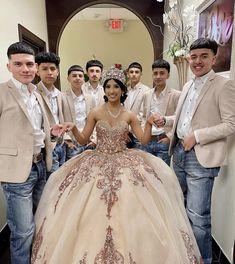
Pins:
x,y
31,39
59,12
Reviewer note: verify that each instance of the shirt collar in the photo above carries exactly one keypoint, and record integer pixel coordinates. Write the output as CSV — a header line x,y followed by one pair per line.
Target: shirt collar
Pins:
x,y
74,96
135,87
20,85
53,93
17,84
90,86
163,92
202,79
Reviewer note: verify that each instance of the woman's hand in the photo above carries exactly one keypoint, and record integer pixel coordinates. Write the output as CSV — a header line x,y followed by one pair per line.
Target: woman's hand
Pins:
x,y
153,119
57,130
158,120
68,126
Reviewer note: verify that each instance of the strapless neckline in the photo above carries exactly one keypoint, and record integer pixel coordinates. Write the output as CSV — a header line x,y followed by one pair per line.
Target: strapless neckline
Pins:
x,y
116,125
111,138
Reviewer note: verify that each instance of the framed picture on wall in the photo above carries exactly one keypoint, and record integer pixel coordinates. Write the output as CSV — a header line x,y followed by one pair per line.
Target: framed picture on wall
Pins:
x,y
215,21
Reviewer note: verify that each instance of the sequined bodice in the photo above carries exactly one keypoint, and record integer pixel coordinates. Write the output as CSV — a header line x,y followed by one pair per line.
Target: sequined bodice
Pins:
x,y
111,139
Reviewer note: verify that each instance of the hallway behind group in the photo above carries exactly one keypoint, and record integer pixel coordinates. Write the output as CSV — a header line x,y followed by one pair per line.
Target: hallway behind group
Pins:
x,y
79,30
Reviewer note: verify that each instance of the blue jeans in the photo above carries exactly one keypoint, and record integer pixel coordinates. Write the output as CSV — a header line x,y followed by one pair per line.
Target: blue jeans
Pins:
x,y
134,143
159,150
58,157
20,200
78,149
196,183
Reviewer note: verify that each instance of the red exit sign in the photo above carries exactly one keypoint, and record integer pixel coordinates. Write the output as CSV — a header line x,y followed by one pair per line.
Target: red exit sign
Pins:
x,y
116,23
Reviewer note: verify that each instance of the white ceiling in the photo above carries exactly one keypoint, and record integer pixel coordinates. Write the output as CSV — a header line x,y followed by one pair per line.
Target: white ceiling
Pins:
x,y
105,12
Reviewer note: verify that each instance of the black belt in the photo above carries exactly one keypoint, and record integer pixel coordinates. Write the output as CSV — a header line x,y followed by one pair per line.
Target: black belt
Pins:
x,y
158,137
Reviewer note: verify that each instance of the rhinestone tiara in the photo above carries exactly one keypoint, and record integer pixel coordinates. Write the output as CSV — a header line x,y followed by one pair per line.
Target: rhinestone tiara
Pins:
x,y
113,73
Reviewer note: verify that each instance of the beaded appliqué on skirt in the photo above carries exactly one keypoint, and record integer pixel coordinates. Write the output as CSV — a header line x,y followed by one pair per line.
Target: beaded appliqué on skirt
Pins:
x,y
81,173
108,254
189,246
37,244
109,159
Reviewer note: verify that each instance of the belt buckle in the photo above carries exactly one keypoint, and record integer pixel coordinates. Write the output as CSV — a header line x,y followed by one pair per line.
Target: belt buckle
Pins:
x,y
37,157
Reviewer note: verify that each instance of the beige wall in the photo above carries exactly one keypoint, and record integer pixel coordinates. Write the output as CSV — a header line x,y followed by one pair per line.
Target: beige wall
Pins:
x,y
30,14
81,40
223,202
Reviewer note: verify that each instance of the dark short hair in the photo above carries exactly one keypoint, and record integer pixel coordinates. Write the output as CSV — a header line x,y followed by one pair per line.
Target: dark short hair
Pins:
x,y
19,48
160,63
47,57
75,68
122,86
94,63
135,65
204,43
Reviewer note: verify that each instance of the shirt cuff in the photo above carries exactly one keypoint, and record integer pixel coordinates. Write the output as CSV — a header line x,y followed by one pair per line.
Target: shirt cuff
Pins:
x,y
196,136
167,121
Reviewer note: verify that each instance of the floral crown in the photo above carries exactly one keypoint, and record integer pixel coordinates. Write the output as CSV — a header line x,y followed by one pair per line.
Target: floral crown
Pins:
x,y
113,73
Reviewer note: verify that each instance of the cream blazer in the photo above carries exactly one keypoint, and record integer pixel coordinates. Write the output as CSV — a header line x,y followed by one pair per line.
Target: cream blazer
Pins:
x,y
69,109
48,107
213,118
170,102
136,106
16,135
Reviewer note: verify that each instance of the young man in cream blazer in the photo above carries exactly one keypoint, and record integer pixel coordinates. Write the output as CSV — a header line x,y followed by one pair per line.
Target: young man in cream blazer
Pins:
x,y
205,117
94,69
134,100
76,107
25,149
48,71
160,100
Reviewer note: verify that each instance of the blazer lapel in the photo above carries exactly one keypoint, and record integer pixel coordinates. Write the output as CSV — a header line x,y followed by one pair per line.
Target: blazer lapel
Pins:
x,y
166,100
18,98
59,101
205,88
71,104
39,99
44,96
181,101
135,96
88,104
147,109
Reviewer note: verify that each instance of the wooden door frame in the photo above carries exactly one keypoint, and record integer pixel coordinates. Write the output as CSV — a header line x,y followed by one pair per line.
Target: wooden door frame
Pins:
x,y
59,13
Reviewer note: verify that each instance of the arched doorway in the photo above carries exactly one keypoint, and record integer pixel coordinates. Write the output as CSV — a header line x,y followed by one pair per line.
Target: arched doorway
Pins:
x,y
59,13
89,35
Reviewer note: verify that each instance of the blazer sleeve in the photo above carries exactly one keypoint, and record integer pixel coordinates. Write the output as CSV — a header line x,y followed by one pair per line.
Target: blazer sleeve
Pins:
x,y
226,103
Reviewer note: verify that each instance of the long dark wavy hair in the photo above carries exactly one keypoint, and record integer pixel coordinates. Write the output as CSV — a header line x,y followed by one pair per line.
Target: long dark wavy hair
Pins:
x,y
123,88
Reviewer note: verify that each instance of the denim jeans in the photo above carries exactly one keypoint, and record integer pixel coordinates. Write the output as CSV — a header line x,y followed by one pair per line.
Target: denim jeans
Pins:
x,y
58,157
196,183
78,149
20,200
159,150
134,143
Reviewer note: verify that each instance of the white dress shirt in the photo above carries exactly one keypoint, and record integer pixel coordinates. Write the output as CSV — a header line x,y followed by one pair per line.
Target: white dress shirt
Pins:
x,y
35,114
87,88
184,123
53,99
156,106
80,110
